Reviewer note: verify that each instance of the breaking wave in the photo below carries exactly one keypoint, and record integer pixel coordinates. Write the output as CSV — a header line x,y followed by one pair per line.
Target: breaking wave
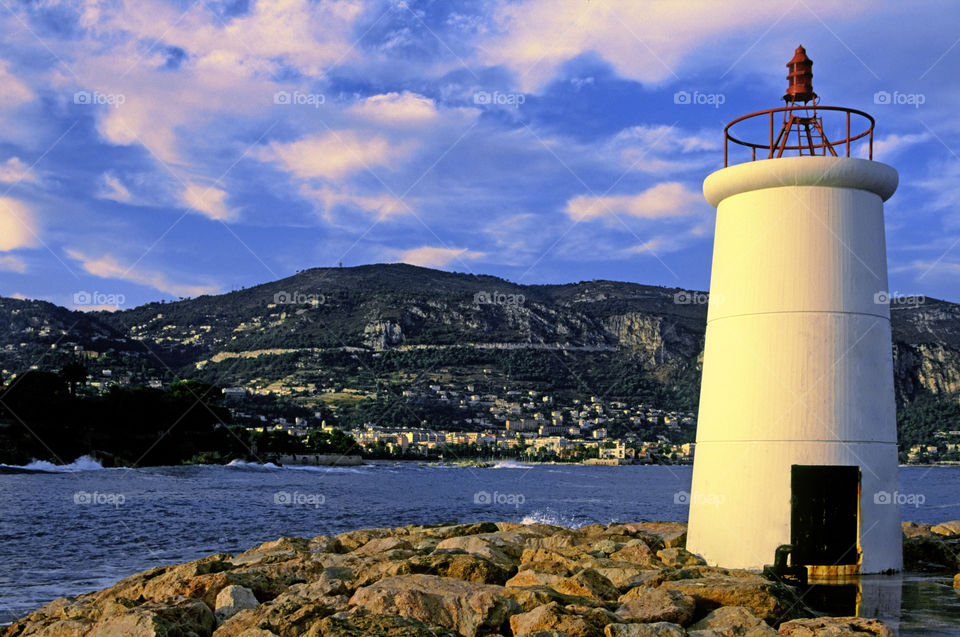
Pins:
x,y
83,463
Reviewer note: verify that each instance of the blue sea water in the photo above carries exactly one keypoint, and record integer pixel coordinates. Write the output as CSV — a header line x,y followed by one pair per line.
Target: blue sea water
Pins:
x,y
79,528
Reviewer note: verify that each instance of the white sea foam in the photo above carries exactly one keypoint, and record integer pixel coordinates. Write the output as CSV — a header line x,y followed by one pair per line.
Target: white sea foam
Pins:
x,y
83,463
243,464
549,516
269,466
510,464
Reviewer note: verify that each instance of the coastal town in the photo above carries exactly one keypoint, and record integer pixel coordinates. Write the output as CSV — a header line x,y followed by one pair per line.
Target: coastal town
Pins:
x,y
528,425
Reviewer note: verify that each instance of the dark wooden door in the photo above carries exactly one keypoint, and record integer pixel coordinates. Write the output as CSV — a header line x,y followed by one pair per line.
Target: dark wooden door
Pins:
x,y
825,505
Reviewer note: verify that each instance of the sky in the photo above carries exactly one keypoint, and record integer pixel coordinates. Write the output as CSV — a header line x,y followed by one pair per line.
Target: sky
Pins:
x,y
159,149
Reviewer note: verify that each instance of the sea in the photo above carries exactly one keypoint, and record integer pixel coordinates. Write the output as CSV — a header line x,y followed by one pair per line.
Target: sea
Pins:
x,y
72,529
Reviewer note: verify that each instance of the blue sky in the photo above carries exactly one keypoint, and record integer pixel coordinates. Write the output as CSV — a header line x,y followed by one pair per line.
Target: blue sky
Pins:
x,y
163,148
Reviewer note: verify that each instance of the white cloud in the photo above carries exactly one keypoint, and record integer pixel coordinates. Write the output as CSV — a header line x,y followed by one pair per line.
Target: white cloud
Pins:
x,y
11,263
886,147
334,154
228,74
657,149
432,257
229,65
108,267
17,225
663,201
14,170
517,235
667,139
396,109
208,200
645,41
382,206
925,268
650,245
112,188
941,186
15,92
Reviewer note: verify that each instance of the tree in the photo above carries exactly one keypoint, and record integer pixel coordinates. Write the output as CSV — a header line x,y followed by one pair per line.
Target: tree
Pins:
x,y
74,373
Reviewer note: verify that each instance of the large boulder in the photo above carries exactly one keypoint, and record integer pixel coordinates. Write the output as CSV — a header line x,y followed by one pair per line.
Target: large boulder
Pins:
x,y
530,597
574,621
767,600
279,550
528,577
666,534
645,605
913,529
623,575
566,539
455,530
386,547
364,569
587,583
352,540
467,607
557,561
200,579
469,568
635,552
731,621
100,617
836,627
296,612
948,529
364,624
956,581
500,548
677,556
176,617
233,599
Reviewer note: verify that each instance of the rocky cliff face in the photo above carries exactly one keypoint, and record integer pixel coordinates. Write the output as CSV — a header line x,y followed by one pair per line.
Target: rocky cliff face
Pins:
x,y
925,367
926,348
659,340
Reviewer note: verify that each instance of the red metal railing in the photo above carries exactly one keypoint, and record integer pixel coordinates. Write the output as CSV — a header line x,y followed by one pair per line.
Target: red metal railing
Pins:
x,y
809,122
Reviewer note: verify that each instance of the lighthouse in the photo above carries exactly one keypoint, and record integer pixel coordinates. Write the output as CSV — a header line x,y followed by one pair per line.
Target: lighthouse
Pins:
x,y
796,435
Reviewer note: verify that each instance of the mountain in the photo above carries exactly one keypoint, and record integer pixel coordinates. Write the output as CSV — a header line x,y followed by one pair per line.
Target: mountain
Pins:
x,y
381,328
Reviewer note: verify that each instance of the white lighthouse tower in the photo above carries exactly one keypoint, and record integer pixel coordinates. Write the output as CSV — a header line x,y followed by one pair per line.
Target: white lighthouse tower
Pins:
x,y
796,436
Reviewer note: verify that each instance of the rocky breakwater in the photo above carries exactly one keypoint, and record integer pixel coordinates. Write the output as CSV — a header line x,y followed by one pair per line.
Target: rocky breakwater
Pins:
x,y
471,580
